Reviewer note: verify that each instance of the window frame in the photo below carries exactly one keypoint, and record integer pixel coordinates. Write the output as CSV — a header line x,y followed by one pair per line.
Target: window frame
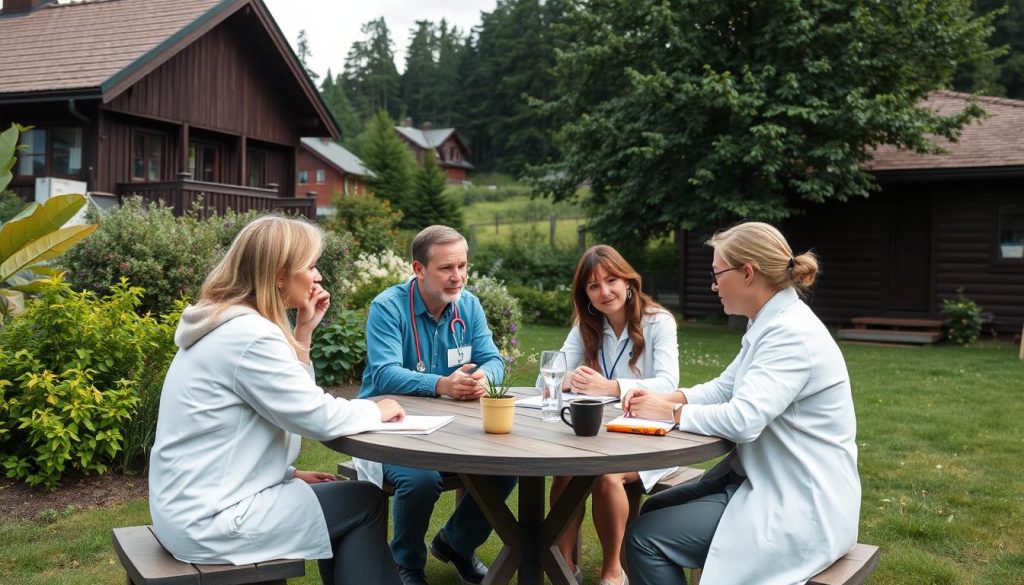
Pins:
x,y
321,176
200,158
145,133
48,153
303,177
1001,209
252,154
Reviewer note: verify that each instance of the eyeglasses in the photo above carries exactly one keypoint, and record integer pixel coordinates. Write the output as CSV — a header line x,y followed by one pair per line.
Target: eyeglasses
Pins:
x,y
714,275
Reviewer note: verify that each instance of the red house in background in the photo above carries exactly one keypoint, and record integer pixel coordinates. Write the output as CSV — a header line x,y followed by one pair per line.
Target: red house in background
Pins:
x,y
172,101
449,149
326,168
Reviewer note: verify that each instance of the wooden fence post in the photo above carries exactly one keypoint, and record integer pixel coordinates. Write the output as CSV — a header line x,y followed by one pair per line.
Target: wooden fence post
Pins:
x,y
1021,356
581,237
551,232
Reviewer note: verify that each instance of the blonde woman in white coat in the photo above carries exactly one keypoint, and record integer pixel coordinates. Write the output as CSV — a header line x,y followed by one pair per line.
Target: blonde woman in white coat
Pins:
x,y
237,396
786,504
621,340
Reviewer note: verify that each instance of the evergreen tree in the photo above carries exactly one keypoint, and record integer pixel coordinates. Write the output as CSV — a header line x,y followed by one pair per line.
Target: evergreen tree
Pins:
x,y
447,82
304,54
431,204
333,93
419,80
384,153
371,80
687,114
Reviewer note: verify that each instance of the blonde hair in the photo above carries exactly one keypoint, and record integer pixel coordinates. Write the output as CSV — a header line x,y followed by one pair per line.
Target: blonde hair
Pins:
x,y
763,247
265,249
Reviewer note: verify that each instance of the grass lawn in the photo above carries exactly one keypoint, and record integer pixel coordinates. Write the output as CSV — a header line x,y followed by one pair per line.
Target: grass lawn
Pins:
x,y
941,437
480,219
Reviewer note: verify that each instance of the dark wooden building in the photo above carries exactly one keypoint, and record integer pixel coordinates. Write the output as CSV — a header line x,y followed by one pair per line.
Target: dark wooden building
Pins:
x,y
168,100
325,169
939,223
449,149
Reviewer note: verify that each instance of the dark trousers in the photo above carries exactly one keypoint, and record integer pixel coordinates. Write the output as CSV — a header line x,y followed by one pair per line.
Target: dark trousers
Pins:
x,y
357,523
675,528
416,492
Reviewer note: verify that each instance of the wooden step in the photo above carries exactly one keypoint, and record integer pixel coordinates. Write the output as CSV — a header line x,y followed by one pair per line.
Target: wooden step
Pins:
x,y
889,336
896,323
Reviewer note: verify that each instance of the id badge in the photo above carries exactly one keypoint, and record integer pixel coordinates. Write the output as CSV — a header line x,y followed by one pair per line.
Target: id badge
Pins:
x,y
460,355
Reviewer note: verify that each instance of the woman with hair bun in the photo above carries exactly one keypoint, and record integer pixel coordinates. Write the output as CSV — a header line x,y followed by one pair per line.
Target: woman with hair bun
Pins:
x,y
785,503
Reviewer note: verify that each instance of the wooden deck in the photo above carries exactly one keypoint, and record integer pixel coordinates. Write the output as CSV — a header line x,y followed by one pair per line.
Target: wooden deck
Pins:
x,y
893,330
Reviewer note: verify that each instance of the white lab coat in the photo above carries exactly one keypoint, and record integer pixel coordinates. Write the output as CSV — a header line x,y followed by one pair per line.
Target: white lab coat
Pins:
x,y
658,364
221,489
786,403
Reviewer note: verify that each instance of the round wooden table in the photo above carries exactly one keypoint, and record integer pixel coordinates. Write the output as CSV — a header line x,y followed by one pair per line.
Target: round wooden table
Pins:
x,y
533,450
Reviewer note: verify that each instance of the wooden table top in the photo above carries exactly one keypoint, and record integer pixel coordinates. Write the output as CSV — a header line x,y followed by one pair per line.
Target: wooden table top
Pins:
x,y
533,448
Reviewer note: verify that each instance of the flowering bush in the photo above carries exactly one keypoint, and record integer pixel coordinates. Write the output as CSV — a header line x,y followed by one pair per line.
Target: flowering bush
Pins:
x,y
502,310
371,274
963,319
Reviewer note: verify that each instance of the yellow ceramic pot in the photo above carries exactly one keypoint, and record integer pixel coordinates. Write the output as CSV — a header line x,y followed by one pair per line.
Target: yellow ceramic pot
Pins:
x,y
498,414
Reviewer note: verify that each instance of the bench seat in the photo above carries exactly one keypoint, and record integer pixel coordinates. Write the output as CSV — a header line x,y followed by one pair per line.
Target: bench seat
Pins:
x,y
147,562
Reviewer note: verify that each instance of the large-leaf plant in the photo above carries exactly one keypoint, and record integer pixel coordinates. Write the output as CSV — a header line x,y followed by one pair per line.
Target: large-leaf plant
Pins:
x,y
32,237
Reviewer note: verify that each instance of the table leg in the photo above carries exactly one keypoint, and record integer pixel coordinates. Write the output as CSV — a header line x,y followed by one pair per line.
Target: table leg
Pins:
x,y
529,543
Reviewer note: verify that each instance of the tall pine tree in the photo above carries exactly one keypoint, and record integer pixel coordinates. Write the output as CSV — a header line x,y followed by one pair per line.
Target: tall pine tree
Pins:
x,y
304,54
431,204
384,153
333,93
371,79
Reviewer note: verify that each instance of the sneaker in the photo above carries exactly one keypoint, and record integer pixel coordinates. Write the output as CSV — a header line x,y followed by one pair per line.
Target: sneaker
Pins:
x,y
412,576
470,568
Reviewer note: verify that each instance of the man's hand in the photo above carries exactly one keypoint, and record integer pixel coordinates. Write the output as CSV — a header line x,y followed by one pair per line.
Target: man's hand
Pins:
x,y
462,385
314,476
590,382
390,411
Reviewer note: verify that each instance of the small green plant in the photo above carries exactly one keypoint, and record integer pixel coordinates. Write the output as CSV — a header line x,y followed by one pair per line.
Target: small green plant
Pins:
x,y
963,319
514,366
338,349
47,516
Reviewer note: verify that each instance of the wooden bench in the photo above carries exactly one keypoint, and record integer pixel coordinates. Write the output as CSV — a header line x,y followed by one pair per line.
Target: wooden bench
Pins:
x,y
147,562
893,330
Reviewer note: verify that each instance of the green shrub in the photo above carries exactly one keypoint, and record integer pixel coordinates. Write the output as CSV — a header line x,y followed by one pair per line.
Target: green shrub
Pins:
x,y
527,259
502,310
10,205
544,307
963,319
167,256
336,266
371,222
338,350
70,367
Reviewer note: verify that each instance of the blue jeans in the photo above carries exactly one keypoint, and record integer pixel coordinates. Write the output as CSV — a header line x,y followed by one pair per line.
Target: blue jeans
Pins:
x,y
416,492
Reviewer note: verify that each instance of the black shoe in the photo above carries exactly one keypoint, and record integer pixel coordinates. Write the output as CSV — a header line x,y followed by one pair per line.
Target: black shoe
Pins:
x,y
412,576
470,568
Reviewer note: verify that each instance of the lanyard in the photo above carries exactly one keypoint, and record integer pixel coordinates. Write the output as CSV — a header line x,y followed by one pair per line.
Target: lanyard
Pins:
x,y
604,366
421,366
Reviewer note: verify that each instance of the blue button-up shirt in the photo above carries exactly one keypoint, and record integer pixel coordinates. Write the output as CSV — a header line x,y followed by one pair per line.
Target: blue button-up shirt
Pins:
x,y
391,351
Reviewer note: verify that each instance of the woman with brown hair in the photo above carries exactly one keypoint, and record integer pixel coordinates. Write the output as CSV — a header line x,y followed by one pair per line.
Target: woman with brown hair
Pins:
x,y
621,340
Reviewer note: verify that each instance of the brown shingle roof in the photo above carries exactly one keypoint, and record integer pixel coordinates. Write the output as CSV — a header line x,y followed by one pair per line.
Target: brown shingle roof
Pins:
x,y
993,141
82,46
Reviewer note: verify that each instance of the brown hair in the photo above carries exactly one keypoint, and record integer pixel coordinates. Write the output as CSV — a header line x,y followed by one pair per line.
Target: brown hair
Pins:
x,y
591,322
763,247
423,243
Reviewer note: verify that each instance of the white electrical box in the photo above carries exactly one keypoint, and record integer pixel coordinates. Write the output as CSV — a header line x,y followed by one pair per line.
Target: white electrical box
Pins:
x,y
47,187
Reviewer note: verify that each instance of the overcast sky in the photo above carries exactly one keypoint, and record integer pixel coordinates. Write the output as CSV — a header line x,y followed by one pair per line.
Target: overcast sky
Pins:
x,y
333,25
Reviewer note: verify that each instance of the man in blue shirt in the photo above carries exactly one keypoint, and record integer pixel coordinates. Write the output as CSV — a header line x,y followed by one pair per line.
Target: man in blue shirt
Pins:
x,y
429,337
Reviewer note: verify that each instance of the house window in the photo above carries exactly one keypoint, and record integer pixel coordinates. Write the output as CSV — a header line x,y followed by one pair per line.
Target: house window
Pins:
x,y
1011,233
345,185
32,156
321,176
204,161
50,151
147,156
257,168
303,177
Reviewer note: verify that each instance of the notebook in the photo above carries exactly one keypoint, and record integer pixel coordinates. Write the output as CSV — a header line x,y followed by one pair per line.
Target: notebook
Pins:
x,y
413,425
567,397
640,426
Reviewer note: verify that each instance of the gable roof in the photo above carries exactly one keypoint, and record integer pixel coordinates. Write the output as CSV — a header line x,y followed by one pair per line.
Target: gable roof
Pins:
x,y
100,48
994,141
433,139
337,156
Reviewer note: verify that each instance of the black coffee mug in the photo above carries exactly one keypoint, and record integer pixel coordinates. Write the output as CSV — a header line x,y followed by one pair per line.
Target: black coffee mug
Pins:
x,y
586,415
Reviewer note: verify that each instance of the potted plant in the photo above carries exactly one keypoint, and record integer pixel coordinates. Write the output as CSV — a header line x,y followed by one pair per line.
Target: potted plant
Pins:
x,y
497,408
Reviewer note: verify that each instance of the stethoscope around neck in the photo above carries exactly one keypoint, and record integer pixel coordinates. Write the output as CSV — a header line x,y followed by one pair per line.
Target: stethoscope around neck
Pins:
x,y
421,366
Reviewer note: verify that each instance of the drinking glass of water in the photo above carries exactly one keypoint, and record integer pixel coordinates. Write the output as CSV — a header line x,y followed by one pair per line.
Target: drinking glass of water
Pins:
x,y
552,370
